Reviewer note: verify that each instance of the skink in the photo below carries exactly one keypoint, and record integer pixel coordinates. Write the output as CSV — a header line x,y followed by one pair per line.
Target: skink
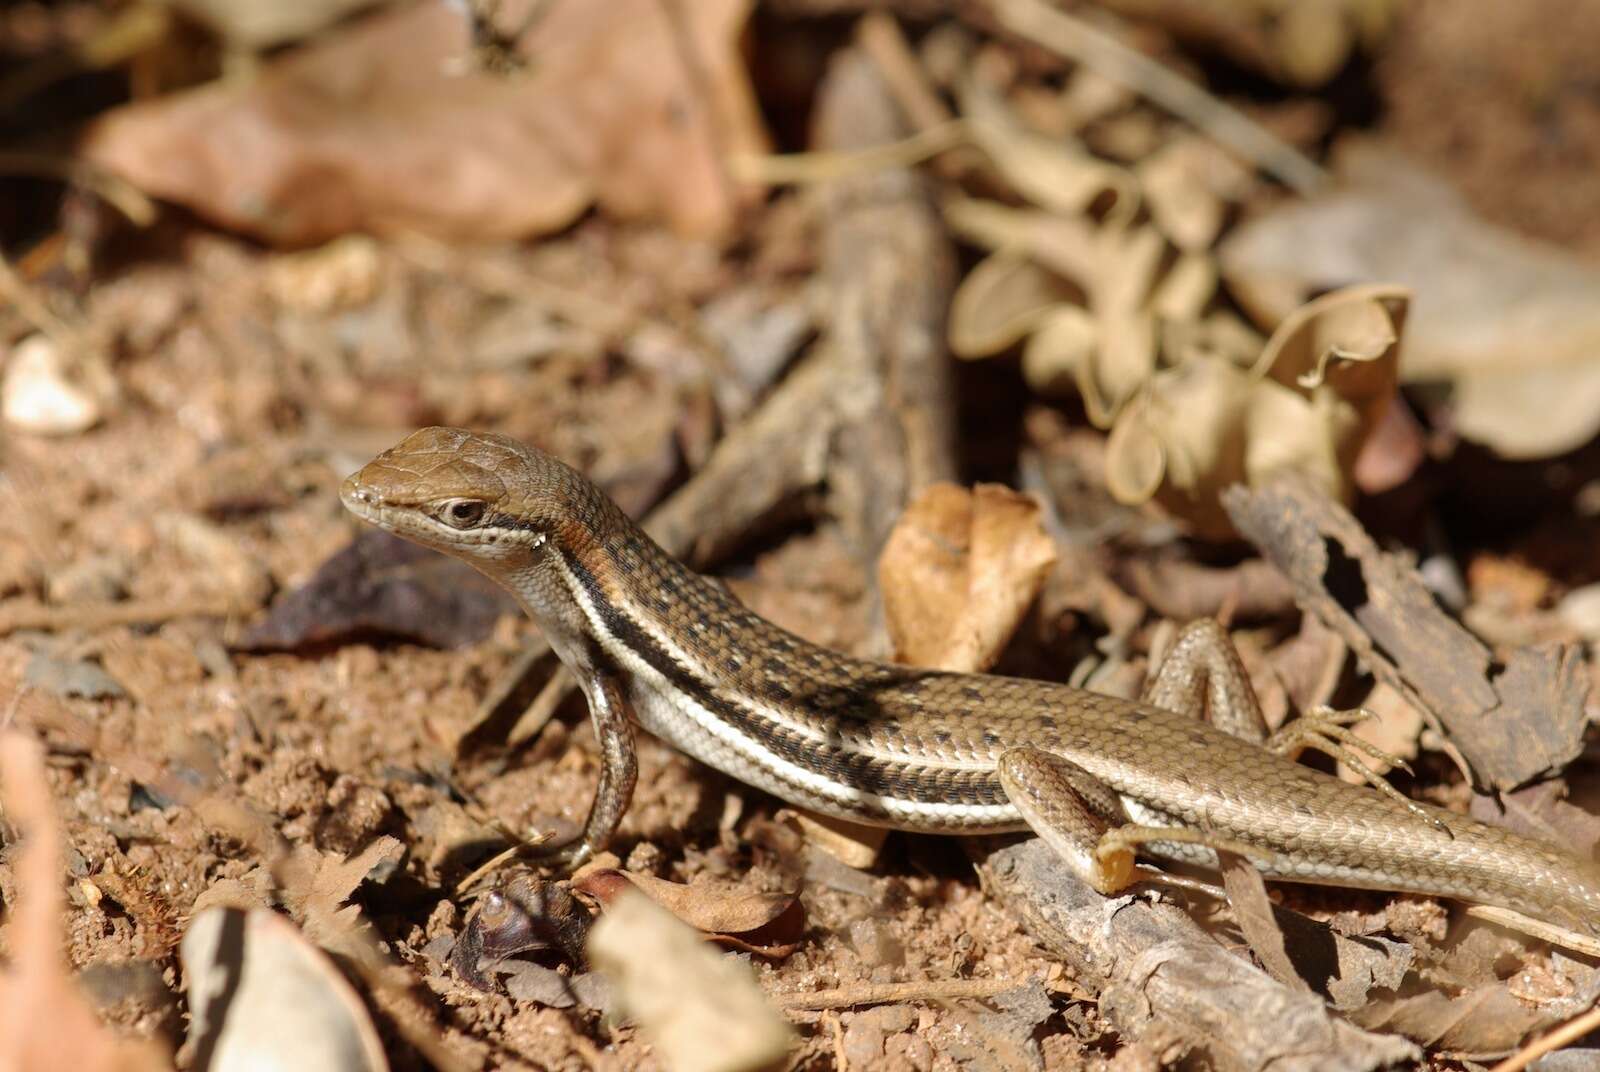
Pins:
x,y
1100,778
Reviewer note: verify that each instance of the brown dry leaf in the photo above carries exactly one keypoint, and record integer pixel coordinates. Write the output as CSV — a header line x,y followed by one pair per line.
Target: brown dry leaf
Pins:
x,y
769,924
1252,910
336,879
381,585
959,571
1489,1019
315,886
1510,324
375,128
1542,811
45,1022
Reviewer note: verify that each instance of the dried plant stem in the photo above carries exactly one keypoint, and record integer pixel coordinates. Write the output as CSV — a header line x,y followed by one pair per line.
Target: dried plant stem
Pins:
x,y
845,997
1066,35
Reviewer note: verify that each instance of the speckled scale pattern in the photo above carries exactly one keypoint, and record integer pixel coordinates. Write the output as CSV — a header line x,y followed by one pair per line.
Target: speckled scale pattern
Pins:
x,y
918,749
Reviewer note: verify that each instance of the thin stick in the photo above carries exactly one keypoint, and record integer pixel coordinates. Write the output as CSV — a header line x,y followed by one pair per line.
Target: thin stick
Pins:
x,y
132,612
1054,29
826,166
845,997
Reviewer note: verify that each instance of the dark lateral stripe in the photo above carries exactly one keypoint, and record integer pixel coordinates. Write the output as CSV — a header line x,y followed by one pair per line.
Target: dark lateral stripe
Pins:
x,y
870,774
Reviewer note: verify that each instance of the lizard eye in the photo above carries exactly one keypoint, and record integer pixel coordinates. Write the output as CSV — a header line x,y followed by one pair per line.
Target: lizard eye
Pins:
x,y
462,513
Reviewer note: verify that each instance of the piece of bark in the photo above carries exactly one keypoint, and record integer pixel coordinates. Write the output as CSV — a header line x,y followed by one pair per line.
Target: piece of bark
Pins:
x,y
887,272
1504,725
1162,979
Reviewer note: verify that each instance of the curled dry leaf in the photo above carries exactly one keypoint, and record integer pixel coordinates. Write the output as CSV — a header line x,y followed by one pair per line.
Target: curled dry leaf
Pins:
x,y
630,105
768,924
45,1021
1511,325
1093,302
703,1011
1003,299
1053,173
1318,389
959,571
262,996
525,914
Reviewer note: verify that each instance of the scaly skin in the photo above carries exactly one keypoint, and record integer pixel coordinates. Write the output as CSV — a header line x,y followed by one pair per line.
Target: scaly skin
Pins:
x,y
901,747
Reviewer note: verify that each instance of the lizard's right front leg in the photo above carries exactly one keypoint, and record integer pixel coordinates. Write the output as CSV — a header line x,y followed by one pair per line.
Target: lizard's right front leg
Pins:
x,y
611,713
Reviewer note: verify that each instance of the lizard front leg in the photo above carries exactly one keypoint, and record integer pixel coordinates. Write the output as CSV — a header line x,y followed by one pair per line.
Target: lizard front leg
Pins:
x,y
612,715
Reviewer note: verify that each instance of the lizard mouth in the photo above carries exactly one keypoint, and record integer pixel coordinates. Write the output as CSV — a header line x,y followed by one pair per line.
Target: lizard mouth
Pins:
x,y
363,501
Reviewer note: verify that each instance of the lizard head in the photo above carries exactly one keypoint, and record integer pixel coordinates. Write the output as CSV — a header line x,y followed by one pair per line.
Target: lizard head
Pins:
x,y
480,497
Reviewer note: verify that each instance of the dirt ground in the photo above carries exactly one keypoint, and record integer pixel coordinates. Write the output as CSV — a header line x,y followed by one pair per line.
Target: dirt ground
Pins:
x,y
240,403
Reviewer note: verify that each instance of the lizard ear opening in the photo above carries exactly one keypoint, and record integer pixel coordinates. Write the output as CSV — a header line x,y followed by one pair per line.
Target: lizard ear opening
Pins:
x,y
461,513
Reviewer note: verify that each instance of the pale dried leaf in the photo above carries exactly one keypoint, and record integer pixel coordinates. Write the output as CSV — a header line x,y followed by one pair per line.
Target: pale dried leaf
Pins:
x,y
1187,210
1071,246
1001,301
702,1011
45,1022
262,996
958,572
1090,95
344,274
1182,440
376,127
1056,359
1053,173
1313,398
1123,364
1187,288
1511,324
1314,40
852,844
